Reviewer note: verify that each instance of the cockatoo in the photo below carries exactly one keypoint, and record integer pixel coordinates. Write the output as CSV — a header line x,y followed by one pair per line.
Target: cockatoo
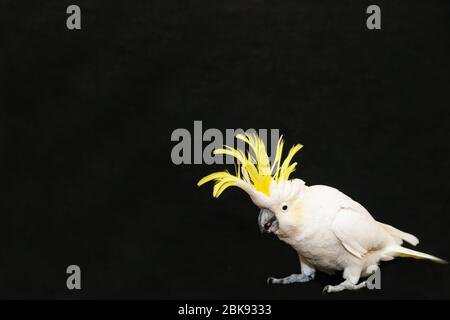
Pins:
x,y
329,231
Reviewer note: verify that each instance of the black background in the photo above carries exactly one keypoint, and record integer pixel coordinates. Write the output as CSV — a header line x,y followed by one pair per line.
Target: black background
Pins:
x,y
86,119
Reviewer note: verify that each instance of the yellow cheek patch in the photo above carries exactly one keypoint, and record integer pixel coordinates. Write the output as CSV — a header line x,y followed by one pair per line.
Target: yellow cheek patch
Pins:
x,y
297,210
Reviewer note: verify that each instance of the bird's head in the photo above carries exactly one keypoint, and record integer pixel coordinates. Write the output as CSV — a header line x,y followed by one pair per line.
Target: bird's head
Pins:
x,y
267,184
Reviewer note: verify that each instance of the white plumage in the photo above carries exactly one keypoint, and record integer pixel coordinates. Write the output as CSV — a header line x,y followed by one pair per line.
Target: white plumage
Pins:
x,y
329,231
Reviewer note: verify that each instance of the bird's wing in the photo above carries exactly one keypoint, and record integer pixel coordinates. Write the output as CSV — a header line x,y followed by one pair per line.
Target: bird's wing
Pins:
x,y
356,229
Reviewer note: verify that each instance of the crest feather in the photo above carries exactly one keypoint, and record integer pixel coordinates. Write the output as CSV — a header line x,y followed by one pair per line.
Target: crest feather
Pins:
x,y
258,172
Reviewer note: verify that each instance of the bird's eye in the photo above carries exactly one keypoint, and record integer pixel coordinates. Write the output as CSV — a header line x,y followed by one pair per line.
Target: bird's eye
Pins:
x,y
284,207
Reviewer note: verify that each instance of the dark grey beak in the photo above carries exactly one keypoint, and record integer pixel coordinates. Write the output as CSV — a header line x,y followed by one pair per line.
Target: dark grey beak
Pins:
x,y
267,221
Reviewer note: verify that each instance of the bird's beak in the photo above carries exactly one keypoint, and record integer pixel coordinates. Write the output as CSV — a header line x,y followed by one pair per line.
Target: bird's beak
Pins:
x,y
267,221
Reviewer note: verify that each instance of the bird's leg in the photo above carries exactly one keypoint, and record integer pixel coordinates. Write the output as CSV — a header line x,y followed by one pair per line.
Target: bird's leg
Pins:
x,y
351,276
346,285
293,278
307,274
370,270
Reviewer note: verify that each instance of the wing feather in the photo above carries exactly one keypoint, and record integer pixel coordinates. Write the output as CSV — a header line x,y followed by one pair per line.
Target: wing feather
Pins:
x,y
357,230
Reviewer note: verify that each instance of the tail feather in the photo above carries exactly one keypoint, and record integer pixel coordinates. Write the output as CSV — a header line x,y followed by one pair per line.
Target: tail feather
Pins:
x,y
405,252
400,236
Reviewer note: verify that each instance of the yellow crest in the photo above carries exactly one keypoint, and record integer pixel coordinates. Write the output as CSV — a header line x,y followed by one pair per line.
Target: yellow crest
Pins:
x,y
258,172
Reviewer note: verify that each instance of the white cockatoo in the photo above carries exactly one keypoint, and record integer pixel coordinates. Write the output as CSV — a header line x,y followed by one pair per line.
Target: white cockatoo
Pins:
x,y
329,231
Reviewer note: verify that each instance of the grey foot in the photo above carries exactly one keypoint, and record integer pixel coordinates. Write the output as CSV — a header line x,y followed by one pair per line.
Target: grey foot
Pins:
x,y
346,285
293,278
